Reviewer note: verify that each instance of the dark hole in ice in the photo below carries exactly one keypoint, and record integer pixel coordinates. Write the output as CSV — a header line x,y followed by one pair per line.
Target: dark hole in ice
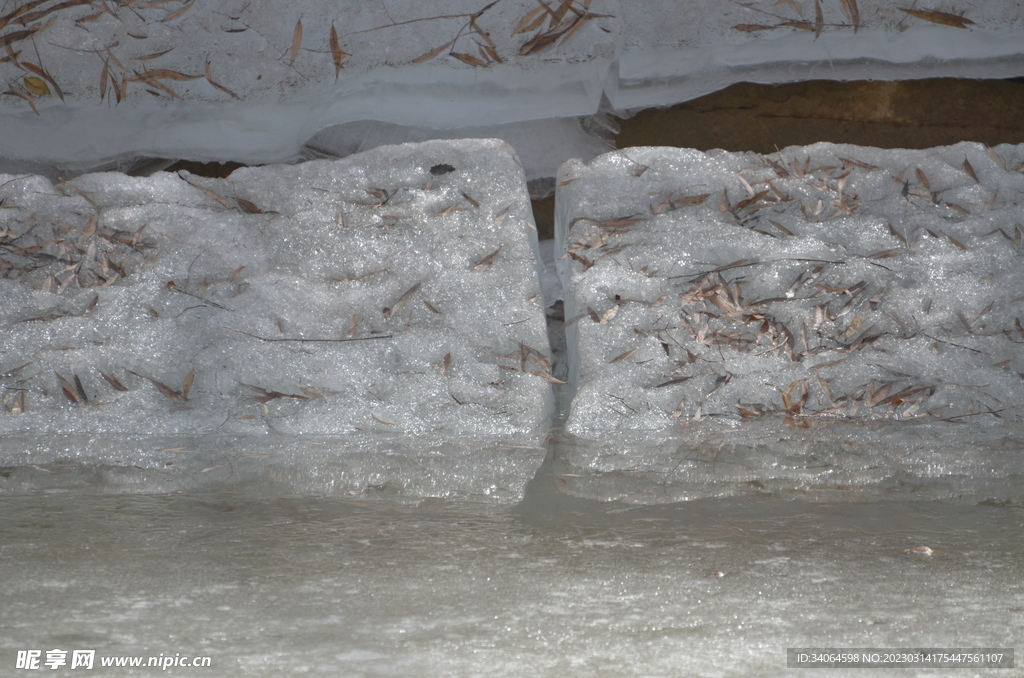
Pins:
x,y
438,170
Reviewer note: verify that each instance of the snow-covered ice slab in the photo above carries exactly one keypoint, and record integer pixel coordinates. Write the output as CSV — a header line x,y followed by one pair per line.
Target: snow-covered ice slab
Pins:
x,y
707,293
252,82
91,86
392,295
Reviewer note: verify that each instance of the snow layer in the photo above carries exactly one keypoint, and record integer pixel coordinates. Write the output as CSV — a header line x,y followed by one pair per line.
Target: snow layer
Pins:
x,y
395,291
253,82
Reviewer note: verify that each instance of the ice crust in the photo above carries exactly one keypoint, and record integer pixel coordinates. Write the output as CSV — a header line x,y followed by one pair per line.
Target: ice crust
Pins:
x,y
394,293
233,80
708,294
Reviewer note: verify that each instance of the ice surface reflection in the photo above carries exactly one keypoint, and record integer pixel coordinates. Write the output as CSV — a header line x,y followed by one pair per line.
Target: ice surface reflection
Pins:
x,y
556,585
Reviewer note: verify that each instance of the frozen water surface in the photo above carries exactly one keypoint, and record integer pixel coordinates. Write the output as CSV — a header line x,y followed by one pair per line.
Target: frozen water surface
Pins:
x,y
270,586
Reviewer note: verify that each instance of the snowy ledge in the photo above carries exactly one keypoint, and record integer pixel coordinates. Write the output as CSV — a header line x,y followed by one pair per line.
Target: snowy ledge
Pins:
x,y
90,83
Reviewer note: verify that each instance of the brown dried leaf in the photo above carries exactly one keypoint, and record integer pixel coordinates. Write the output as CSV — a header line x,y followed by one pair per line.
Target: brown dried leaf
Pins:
x,y
539,43
222,88
943,18
922,179
970,170
493,54
470,199
24,9
90,228
885,254
113,381
531,21
167,391
623,356
482,33
154,55
104,74
15,405
468,59
69,390
486,262
819,19
296,41
162,74
390,312
112,57
673,381
499,218
218,198
187,385
995,157
577,25
27,18
750,28
386,423
852,12
178,12
153,81
559,13
247,207
548,377
432,53
956,242
337,54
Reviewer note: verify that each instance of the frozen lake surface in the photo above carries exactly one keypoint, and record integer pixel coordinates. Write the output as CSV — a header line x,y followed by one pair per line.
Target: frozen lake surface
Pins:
x,y
552,586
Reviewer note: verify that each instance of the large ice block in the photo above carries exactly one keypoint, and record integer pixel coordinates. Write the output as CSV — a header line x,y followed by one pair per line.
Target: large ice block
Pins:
x,y
391,293
709,293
